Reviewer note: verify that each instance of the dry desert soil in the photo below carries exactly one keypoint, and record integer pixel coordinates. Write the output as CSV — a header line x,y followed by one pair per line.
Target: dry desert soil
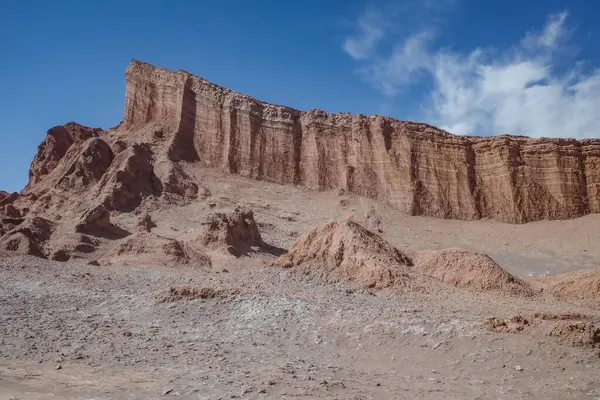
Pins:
x,y
241,327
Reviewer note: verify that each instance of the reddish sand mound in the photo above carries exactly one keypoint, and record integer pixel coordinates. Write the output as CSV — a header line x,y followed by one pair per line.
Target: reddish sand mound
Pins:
x,y
519,323
511,325
567,329
467,269
177,293
576,334
346,250
150,249
28,237
583,285
237,231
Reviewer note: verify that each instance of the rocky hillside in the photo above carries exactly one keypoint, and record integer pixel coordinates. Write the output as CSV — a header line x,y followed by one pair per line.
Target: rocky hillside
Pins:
x,y
175,123
416,167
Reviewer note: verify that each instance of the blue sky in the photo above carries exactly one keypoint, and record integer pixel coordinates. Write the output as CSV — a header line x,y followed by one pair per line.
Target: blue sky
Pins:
x,y
471,66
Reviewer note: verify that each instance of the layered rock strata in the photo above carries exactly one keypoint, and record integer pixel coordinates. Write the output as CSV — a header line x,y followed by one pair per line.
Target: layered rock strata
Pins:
x,y
416,167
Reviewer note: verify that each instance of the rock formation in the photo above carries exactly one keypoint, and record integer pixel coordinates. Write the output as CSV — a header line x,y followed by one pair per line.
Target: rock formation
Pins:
x,y
346,250
96,222
145,223
416,167
576,334
178,293
55,146
8,198
237,231
175,181
176,123
10,211
29,236
129,178
142,249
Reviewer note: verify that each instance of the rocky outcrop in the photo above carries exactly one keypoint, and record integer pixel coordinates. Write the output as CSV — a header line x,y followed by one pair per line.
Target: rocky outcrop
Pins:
x,y
55,146
145,223
96,222
10,211
8,198
143,249
176,182
416,167
129,179
28,237
237,231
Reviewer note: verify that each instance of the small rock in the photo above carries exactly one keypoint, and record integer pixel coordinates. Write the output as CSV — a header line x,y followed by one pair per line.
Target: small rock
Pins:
x,y
59,367
518,368
167,391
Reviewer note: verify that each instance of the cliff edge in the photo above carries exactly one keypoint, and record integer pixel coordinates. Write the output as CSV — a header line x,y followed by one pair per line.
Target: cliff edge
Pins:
x,y
416,167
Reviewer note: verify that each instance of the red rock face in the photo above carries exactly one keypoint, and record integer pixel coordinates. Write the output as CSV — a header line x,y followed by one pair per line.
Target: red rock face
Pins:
x,y
55,146
416,167
129,179
173,117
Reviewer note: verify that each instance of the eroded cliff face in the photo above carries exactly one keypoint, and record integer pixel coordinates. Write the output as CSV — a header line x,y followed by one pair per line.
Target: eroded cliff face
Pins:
x,y
416,167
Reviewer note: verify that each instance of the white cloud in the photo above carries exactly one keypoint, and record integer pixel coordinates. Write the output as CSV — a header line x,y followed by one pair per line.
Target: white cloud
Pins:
x,y
371,29
379,20
406,60
517,91
550,37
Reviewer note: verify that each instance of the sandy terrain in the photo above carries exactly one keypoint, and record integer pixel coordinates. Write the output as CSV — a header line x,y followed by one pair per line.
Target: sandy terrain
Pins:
x,y
76,331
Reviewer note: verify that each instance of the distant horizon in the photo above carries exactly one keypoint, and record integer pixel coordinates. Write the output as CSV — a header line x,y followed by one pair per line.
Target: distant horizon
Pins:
x,y
460,65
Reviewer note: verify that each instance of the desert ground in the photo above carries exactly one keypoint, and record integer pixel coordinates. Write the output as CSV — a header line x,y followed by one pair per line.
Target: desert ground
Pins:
x,y
240,327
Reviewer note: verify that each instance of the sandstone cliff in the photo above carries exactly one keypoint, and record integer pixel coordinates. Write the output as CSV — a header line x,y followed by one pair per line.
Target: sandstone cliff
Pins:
x,y
416,167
